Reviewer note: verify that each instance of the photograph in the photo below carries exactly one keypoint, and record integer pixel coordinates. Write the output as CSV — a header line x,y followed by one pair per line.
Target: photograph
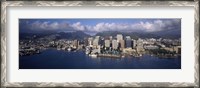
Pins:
x,y
100,43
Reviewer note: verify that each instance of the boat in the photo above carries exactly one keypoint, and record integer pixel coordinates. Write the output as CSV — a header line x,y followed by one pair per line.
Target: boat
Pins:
x,y
93,55
109,55
69,49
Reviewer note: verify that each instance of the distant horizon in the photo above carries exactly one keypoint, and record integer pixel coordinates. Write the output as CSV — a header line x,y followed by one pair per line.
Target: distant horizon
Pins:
x,y
94,26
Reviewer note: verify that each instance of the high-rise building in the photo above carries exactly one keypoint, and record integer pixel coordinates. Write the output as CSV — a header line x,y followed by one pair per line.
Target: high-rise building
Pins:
x,y
114,44
97,37
134,43
177,49
90,41
128,42
99,49
140,47
95,42
101,42
139,42
110,37
107,43
128,37
75,43
119,37
121,44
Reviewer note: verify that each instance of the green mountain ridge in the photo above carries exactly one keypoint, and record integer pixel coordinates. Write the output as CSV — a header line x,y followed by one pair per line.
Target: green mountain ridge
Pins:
x,y
135,35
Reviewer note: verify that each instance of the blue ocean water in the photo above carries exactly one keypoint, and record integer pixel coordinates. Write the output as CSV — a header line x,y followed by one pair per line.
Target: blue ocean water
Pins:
x,y
58,59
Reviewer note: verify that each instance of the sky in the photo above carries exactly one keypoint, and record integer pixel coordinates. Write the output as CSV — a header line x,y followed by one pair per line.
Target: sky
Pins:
x,y
93,26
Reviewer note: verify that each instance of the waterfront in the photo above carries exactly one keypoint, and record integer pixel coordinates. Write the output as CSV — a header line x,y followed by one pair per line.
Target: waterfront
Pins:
x,y
59,59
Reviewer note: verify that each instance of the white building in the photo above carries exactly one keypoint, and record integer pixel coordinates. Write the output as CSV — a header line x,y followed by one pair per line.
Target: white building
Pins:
x,y
122,44
107,43
134,43
140,47
96,42
114,44
119,37
128,37
111,37
90,41
97,37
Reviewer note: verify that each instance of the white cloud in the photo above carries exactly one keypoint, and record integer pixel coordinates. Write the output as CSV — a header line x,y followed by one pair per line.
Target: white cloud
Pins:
x,y
146,26
78,26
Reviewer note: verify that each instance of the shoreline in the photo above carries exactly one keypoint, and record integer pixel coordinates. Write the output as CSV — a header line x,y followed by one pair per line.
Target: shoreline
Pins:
x,y
109,55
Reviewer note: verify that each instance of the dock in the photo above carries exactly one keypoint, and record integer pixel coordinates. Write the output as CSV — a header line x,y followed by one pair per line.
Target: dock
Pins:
x,y
109,55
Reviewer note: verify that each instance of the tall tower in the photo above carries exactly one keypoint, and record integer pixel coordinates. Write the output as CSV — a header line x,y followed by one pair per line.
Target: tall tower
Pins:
x,y
128,42
121,44
119,37
107,43
114,44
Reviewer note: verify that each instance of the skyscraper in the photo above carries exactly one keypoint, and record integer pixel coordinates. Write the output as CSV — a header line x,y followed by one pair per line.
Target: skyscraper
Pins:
x,y
107,43
140,47
111,37
90,41
97,37
114,44
95,42
128,37
119,37
134,43
75,43
128,42
121,44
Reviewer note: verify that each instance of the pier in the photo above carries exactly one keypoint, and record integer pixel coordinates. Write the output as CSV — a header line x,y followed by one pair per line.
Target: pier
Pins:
x,y
109,55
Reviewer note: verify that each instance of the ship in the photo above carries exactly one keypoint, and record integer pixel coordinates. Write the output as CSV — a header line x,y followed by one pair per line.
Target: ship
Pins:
x,y
93,55
69,49
109,55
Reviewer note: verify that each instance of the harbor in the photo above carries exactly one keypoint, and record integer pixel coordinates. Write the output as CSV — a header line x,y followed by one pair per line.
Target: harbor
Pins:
x,y
60,59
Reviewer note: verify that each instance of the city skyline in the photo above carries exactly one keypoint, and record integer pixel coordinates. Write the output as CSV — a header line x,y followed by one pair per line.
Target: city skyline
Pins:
x,y
100,43
93,26
81,54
